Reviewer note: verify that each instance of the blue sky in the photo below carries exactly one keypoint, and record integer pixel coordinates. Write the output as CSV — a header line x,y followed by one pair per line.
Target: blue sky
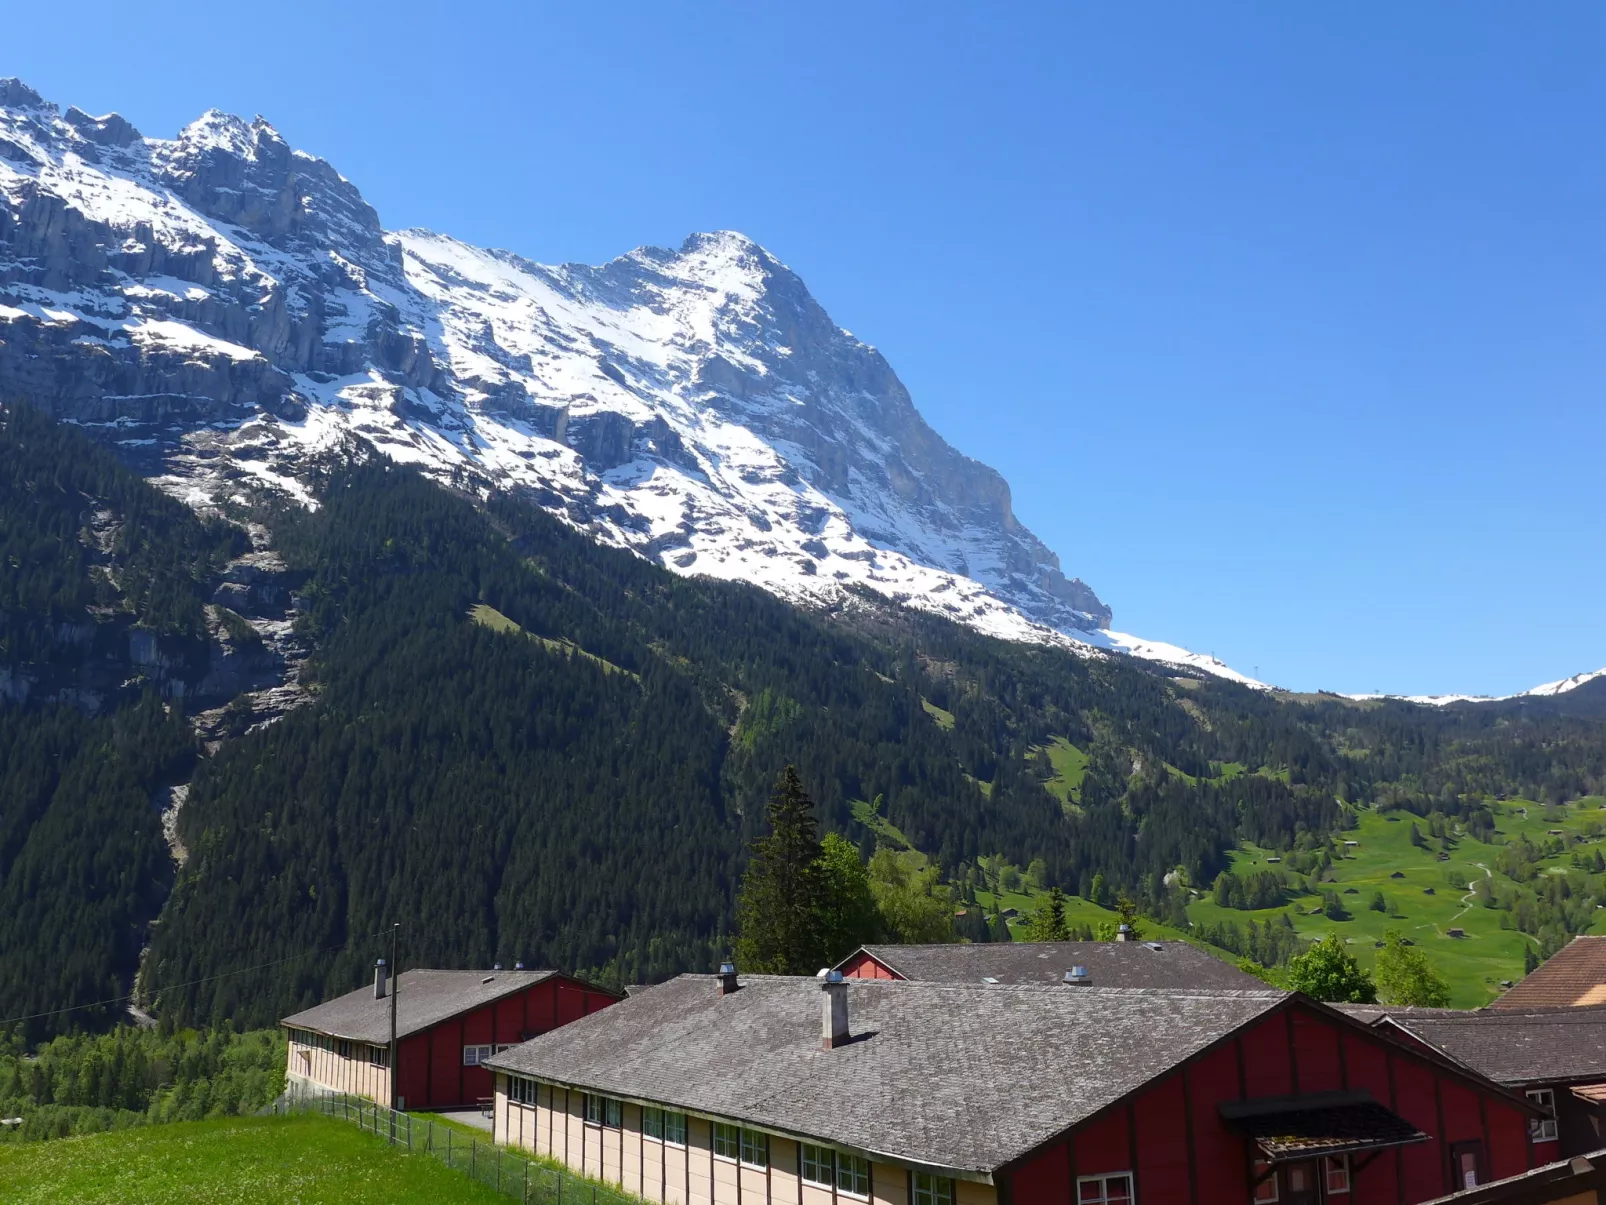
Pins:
x,y
1285,323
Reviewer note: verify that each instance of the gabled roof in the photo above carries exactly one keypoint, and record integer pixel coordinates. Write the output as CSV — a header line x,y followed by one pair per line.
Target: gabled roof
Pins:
x,y
423,998
1574,975
1169,964
980,1074
1517,1048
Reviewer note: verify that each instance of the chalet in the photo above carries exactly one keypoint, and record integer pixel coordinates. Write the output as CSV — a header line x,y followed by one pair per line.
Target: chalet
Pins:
x,y
1556,1058
447,1024
1574,976
806,1091
1086,963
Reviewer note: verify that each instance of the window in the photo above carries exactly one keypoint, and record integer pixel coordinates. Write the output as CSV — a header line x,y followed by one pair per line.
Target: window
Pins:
x,y
1466,1161
1265,1182
1543,1129
473,1056
652,1123
755,1148
343,1048
1114,1188
819,1165
853,1177
521,1091
727,1140
938,1190
1335,1173
593,1109
379,1056
613,1112
674,1128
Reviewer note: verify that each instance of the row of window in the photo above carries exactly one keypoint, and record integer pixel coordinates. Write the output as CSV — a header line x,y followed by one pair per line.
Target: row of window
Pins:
x,y
473,1056
1300,1178
379,1056
849,1174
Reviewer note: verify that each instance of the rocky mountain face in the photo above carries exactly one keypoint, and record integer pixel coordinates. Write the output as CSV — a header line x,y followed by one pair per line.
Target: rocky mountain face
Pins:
x,y
221,306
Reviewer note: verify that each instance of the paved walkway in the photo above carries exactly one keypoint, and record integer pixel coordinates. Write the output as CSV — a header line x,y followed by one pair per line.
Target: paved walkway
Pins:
x,y
468,1117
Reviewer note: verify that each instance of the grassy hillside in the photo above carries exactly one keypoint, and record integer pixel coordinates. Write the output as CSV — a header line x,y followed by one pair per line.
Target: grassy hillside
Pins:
x,y
1427,896
301,1160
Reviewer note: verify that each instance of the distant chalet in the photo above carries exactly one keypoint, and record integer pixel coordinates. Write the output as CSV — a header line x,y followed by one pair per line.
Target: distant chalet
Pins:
x,y
776,1090
1171,964
447,1024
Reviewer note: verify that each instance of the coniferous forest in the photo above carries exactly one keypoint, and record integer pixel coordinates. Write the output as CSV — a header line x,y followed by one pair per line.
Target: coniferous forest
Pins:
x,y
521,745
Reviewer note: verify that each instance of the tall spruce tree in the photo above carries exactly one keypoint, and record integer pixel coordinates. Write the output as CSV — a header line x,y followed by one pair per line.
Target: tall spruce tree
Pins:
x,y
783,893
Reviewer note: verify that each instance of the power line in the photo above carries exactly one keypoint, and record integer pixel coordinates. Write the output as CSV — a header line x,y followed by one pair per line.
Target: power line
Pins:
x,y
56,1012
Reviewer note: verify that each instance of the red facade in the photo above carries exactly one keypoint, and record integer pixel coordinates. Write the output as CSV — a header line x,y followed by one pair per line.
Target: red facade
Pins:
x,y
1172,1136
433,1073
866,966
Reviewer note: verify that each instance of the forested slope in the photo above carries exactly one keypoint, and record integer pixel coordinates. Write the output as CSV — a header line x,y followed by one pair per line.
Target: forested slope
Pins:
x,y
520,744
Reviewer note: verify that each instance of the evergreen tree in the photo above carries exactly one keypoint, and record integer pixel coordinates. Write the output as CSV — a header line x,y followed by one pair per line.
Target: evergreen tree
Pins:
x,y
1047,922
1405,976
1326,971
782,896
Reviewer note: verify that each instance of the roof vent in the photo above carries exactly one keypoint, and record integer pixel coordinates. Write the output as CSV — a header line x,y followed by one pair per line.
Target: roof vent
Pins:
x,y
519,965
486,980
1075,977
727,978
834,1012
989,979
1154,945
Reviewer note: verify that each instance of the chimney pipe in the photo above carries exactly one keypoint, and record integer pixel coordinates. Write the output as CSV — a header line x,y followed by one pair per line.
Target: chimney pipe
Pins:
x,y
727,978
1124,933
834,1012
1075,977
380,975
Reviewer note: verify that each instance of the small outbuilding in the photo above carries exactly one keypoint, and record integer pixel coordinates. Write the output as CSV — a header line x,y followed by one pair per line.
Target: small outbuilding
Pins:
x,y
448,1023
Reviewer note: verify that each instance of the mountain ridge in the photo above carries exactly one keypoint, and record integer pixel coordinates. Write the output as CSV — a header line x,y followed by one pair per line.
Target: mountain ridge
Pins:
x,y
220,305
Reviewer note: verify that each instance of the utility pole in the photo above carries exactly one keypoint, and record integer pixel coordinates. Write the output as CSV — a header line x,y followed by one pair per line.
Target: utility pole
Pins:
x,y
395,986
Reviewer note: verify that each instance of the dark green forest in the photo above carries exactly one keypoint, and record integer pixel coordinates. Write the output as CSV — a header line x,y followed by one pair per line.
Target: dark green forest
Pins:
x,y
521,744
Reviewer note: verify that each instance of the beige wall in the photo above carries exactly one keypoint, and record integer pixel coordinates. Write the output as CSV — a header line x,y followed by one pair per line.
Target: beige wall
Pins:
x,y
659,1171
318,1068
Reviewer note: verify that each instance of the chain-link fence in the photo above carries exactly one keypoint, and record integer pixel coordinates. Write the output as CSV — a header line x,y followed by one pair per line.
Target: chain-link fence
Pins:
x,y
506,1171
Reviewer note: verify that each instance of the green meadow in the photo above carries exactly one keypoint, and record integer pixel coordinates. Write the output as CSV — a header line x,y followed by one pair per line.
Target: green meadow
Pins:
x,y
298,1160
1422,888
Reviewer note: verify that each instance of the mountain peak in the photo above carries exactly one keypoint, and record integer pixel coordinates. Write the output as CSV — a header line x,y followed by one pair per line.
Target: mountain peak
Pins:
x,y
14,94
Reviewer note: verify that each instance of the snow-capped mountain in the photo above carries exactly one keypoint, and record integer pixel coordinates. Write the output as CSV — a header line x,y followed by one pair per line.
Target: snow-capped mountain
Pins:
x,y
221,306
1545,690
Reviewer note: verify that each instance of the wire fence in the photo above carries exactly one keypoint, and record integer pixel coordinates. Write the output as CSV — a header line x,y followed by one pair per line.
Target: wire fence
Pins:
x,y
506,1171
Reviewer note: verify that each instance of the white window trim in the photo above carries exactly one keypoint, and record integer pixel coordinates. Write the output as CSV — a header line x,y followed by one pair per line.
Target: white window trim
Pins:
x,y
685,1129
482,1051
1349,1176
713,1140
1104,1178
1543,1129
763,1139
586,1103
848,1192
803,1160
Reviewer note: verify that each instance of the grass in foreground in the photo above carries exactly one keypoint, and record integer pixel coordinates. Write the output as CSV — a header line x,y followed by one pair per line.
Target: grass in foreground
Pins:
x,y
299,1160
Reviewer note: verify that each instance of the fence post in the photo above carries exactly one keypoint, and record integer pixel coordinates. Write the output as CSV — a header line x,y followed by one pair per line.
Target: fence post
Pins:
x,y
526,1195
473,1158
448,1146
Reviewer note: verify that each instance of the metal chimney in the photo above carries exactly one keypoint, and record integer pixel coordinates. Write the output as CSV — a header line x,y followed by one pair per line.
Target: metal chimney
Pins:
x,y
1075,977
1124,933
834,1012
381,975
727,978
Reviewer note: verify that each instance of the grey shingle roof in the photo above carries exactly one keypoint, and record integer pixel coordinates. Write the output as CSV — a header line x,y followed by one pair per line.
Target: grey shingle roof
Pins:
x,y
1109,963
424,998
1517,1048
960,1076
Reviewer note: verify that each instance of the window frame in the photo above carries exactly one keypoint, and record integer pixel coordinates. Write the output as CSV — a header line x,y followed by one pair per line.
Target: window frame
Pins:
x,y
343,1048
1103,1180
652,1118
675,1122
1339,1164
725,1140
481,1052
523,1091
378,1056
757,1139
823,1159
847,1167
938,1190
591,1106
1543,1129
613,1113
